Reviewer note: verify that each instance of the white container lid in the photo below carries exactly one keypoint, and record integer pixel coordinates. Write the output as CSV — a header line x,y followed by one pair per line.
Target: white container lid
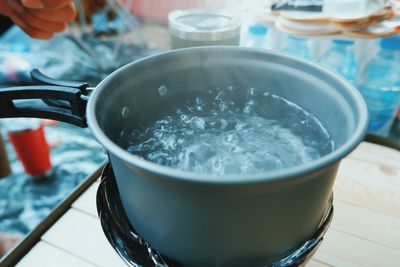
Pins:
x,y
203,24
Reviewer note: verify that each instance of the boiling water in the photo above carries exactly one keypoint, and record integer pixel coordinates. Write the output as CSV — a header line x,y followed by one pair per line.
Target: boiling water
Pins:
x,y
219,133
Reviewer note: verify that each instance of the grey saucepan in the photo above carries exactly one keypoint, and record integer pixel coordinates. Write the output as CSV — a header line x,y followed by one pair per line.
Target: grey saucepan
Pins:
x,y
194,218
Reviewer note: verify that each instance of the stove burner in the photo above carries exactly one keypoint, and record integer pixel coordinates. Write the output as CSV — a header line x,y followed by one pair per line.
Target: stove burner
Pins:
x,y
136,252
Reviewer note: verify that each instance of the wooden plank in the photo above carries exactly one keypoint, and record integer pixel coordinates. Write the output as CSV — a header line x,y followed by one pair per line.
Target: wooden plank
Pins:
x,y
46,255
368,185
333,260
371,225
377,154
87,201
357,250
316,263
80,234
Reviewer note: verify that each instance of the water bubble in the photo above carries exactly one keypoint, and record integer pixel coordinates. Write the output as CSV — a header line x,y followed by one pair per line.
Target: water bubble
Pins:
x,y
223,123
312,153
252,91
199,122
199,104
249,106
169,142
240,125
231,138
189,132
219,96
217,166
222,106
180,141
125,112
329,146
163,90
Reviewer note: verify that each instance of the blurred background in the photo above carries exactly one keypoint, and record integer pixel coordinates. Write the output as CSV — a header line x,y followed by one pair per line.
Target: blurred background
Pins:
x,y
358,39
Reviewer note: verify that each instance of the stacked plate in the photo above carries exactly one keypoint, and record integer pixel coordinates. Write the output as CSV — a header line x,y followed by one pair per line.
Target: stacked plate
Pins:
x,y
373,22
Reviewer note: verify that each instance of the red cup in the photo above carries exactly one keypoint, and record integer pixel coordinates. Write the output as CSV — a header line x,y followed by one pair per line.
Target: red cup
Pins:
x,y
32,150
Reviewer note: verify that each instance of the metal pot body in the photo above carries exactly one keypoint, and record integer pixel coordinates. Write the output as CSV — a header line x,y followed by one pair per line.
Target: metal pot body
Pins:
x,y
225,221
202,224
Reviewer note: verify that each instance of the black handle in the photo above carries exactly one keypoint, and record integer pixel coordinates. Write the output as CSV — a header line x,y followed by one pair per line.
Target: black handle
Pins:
x,y
41,79
62,100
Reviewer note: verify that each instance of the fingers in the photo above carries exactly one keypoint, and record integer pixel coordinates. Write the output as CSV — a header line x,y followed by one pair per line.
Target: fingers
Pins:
x,y
46,4
43,24
64,14
32,3
15,5
17,20
41,18
6,9
38,34
31,31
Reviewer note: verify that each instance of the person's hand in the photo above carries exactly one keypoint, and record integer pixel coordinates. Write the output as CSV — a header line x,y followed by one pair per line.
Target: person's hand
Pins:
x,y
39,18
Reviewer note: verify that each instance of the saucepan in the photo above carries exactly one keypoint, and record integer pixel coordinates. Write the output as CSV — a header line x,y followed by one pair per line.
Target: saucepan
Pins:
x,y
199,219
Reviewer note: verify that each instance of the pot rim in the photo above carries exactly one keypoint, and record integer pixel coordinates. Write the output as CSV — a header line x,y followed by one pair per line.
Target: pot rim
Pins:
x,y
269,176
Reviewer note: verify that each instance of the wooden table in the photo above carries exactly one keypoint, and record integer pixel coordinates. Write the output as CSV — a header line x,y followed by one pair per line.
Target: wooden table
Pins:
x,y
365,230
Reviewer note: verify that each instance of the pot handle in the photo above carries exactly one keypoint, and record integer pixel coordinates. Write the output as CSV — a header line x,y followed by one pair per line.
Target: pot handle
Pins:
x,y
62,100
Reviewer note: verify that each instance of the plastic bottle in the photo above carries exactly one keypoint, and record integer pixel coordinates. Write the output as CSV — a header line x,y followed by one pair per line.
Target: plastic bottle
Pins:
x,y
380,85
340,57
297,46
256,36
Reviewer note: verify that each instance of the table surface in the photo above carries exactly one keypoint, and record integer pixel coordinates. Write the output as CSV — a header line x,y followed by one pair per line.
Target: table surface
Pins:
x,y
365,229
